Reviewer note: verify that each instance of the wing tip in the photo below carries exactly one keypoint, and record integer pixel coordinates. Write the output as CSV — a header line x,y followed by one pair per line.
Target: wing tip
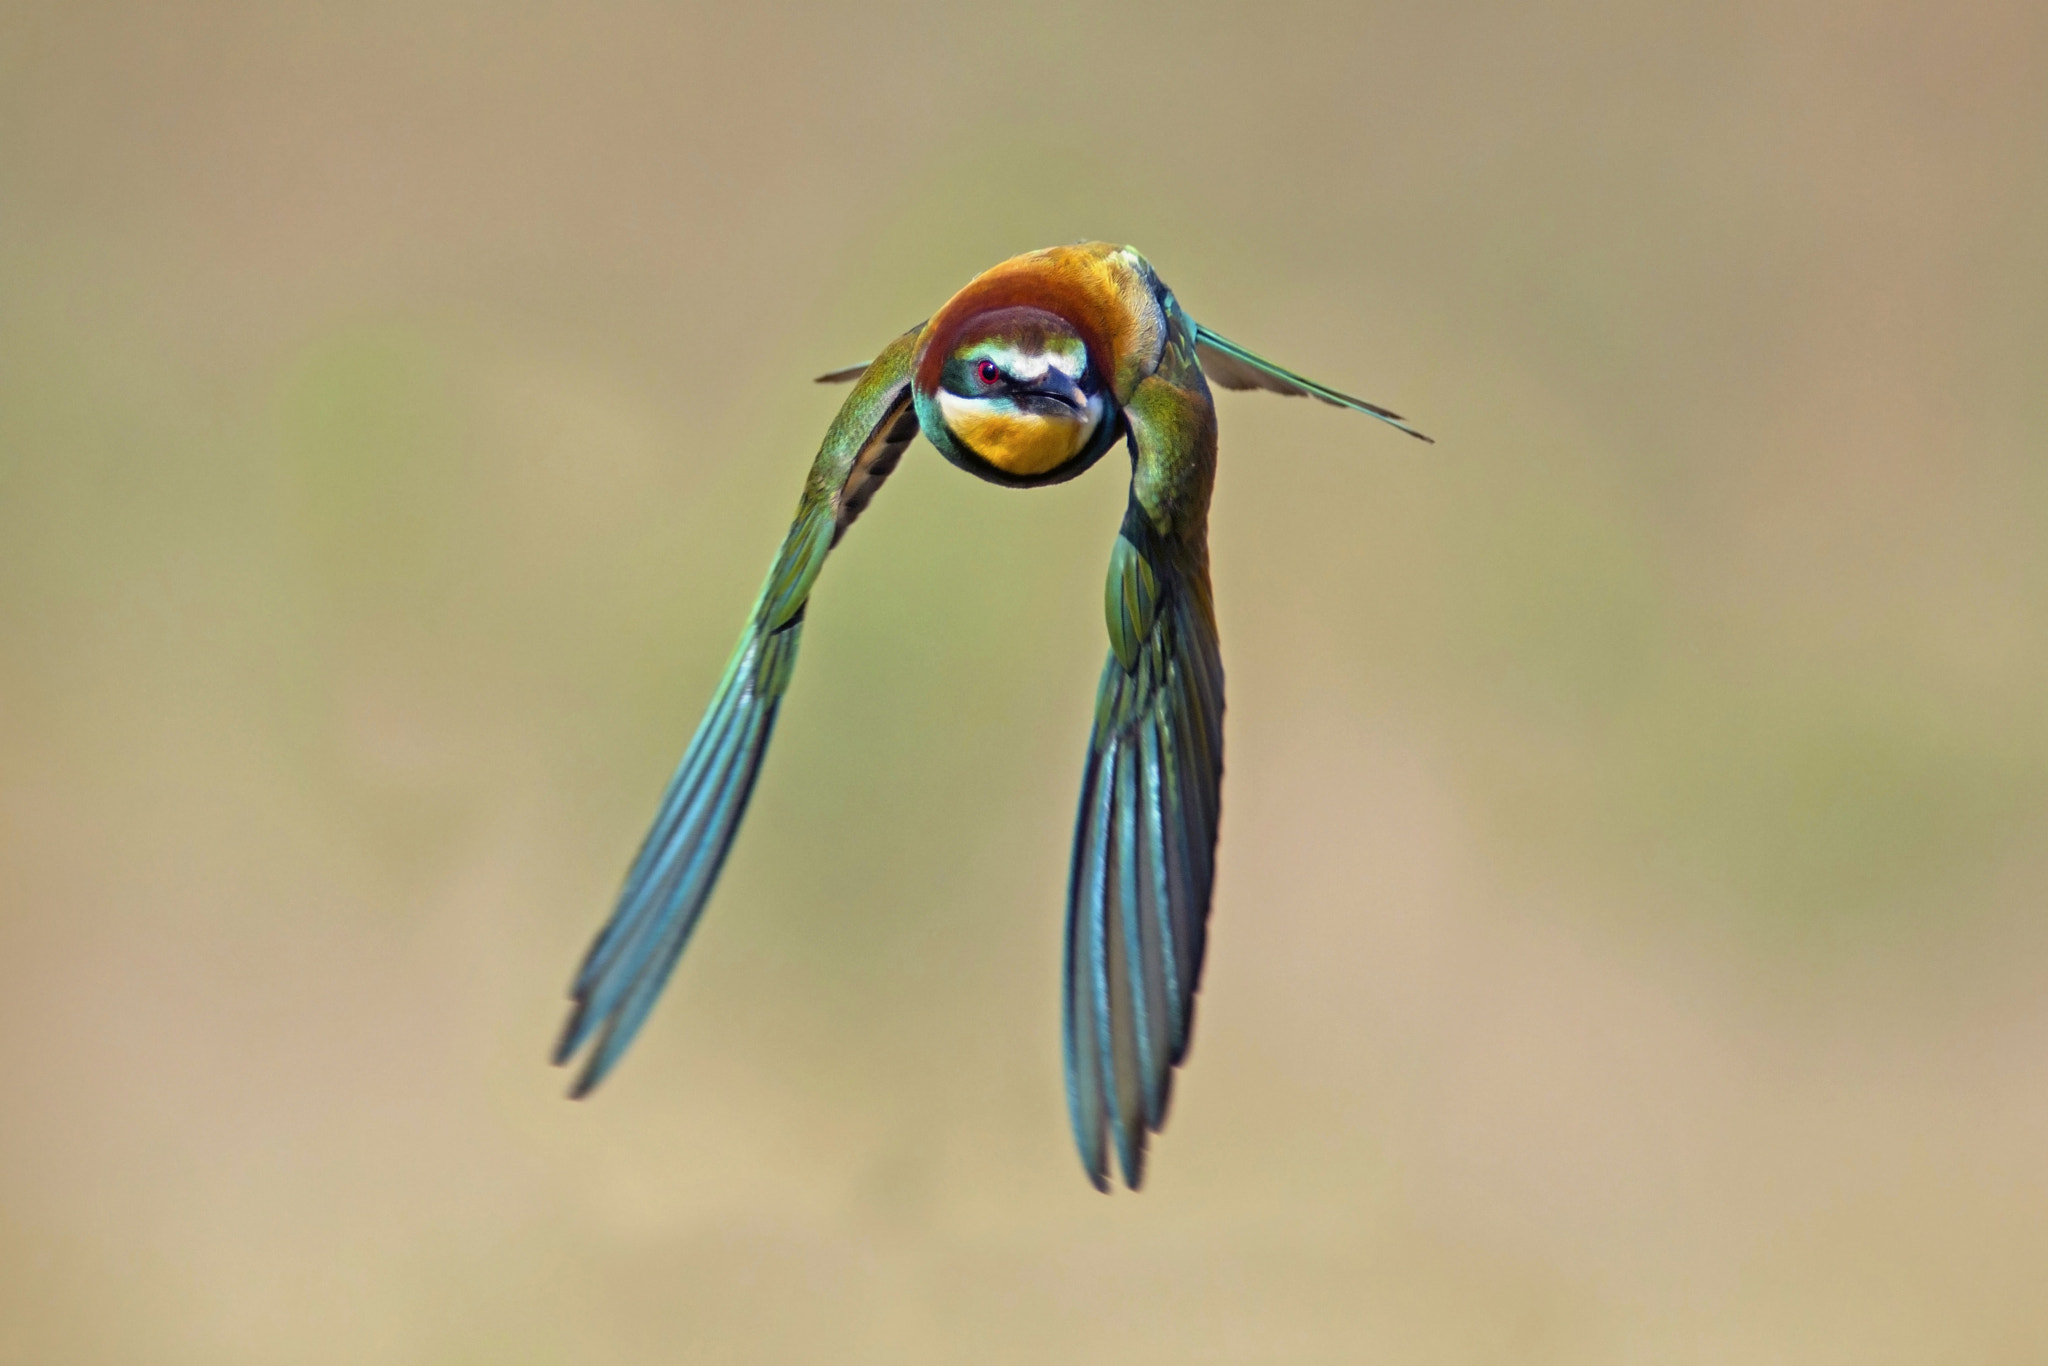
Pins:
x,y
1134,1163
575,1034
575,1030
596,1067
1386,415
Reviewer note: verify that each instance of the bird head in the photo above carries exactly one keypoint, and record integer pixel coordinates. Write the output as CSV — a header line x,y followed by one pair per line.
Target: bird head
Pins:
x,y
1014,397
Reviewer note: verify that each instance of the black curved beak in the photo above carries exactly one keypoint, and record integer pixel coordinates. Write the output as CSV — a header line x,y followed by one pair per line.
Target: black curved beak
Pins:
x,y
1057,386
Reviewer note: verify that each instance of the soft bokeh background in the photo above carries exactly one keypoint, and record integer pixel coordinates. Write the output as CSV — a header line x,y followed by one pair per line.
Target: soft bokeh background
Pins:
x,y
1630,943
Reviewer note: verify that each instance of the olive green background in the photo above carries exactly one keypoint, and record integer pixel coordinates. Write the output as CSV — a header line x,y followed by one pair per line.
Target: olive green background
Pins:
x,y
1630,943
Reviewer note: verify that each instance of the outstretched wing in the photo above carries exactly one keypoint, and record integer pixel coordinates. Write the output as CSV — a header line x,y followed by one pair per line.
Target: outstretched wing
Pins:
x,y
1145,835
1230,365
679,862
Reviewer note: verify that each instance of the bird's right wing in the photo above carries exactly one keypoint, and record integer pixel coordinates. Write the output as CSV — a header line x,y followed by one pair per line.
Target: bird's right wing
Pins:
x,y
1232,366
679,862
1144,851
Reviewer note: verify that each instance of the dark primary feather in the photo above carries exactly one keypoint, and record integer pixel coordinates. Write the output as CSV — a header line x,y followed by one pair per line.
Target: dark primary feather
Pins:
x,y
1144,853
872,464
678,864
1232,366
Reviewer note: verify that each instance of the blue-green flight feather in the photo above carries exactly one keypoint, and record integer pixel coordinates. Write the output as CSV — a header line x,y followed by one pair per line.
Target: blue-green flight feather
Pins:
x,y
1144,851
679,862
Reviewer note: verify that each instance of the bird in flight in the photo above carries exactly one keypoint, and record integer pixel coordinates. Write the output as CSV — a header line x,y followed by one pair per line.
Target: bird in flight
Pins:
x,y
1027,376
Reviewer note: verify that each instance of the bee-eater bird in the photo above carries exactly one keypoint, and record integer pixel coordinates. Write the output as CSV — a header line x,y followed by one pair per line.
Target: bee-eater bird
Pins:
x,y
1025,378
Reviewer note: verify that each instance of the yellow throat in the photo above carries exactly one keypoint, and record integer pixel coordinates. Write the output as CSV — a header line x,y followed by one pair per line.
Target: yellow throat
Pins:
x,y
1015,442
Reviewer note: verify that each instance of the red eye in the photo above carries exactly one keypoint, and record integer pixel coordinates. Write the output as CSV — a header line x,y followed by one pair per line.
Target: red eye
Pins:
x,y
988,372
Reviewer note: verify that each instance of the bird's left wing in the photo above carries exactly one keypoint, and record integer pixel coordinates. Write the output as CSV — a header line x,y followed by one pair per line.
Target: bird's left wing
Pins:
x,y
679,862
1145,835
1234,367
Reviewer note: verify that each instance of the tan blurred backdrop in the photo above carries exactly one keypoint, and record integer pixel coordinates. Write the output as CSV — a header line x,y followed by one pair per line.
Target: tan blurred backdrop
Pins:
x,y
1630,941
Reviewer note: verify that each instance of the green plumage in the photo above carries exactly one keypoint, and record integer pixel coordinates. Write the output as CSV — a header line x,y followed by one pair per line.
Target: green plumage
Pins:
x,y
1233,367
1144,862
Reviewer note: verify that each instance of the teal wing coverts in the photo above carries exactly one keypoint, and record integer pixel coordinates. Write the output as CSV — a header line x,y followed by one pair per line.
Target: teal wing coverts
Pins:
x,y
679,862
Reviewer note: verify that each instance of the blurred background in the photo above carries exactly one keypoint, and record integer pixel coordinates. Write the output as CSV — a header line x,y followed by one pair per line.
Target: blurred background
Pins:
x,y
1629,944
